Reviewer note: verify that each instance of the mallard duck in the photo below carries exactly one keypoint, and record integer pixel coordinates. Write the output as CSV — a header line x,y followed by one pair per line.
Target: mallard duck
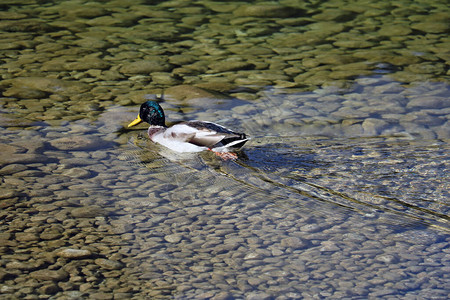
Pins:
x,y
191,136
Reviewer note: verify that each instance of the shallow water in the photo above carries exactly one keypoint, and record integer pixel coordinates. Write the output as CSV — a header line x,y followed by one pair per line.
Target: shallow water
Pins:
x,y
342,190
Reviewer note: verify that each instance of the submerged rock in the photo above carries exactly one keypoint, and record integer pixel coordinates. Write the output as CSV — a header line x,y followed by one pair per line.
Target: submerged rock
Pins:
x,y
50,275
428,102
25,25
224,66
78,143
188,92
267,11
74,253
21,85
109,264
88,212
145,67
12,154
24,93
431,27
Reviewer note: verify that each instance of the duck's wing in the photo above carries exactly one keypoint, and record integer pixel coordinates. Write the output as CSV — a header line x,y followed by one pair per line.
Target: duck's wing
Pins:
x,y
213,135
203,137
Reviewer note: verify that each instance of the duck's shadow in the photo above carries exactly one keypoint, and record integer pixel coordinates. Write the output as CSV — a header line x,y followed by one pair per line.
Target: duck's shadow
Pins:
x,y
262,161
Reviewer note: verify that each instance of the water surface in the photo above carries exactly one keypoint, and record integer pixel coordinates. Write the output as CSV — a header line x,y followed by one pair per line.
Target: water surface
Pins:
x,y
342,190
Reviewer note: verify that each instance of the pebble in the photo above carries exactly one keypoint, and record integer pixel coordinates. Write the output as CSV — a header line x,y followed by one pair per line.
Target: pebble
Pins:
x,y
15,155
109,264
87,211
258,296
78,143
373,126
12,168
294,243
145,67
173,238
265,10
77,173
50,275
49,85
329,246
395,30
225,66
187,92
74,253
431,27
428,102
49,289
26,236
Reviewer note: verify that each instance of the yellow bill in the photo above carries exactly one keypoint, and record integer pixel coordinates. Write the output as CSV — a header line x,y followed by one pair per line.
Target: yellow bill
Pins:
x,y
136,121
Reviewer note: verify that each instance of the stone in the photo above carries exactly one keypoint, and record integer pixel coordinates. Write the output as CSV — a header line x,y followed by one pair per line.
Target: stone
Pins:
x,y
258,296
188,92
74,253
265,11
428,102
145,67
373,127
49,289
164,78
109,264
117,19
223,296
173,238
326,28
49,85
10,15
394,30
294,243
87,63
78,143
24,93
253,256
11,169
225,66
88,212
50,235
220,7
427,68
182,59
50,275
26,25
387,258
26,236
329,246
431,27
221,87
20,266
193,20
54,65
86,11
77,173
101,296
334,14
65,194
355,44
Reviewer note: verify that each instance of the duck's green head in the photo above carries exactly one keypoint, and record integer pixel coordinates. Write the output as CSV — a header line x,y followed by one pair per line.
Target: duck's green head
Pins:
x,y
151,113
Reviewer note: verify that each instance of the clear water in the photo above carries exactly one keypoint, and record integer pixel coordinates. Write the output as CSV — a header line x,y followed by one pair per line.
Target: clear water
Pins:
x,y
342,191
